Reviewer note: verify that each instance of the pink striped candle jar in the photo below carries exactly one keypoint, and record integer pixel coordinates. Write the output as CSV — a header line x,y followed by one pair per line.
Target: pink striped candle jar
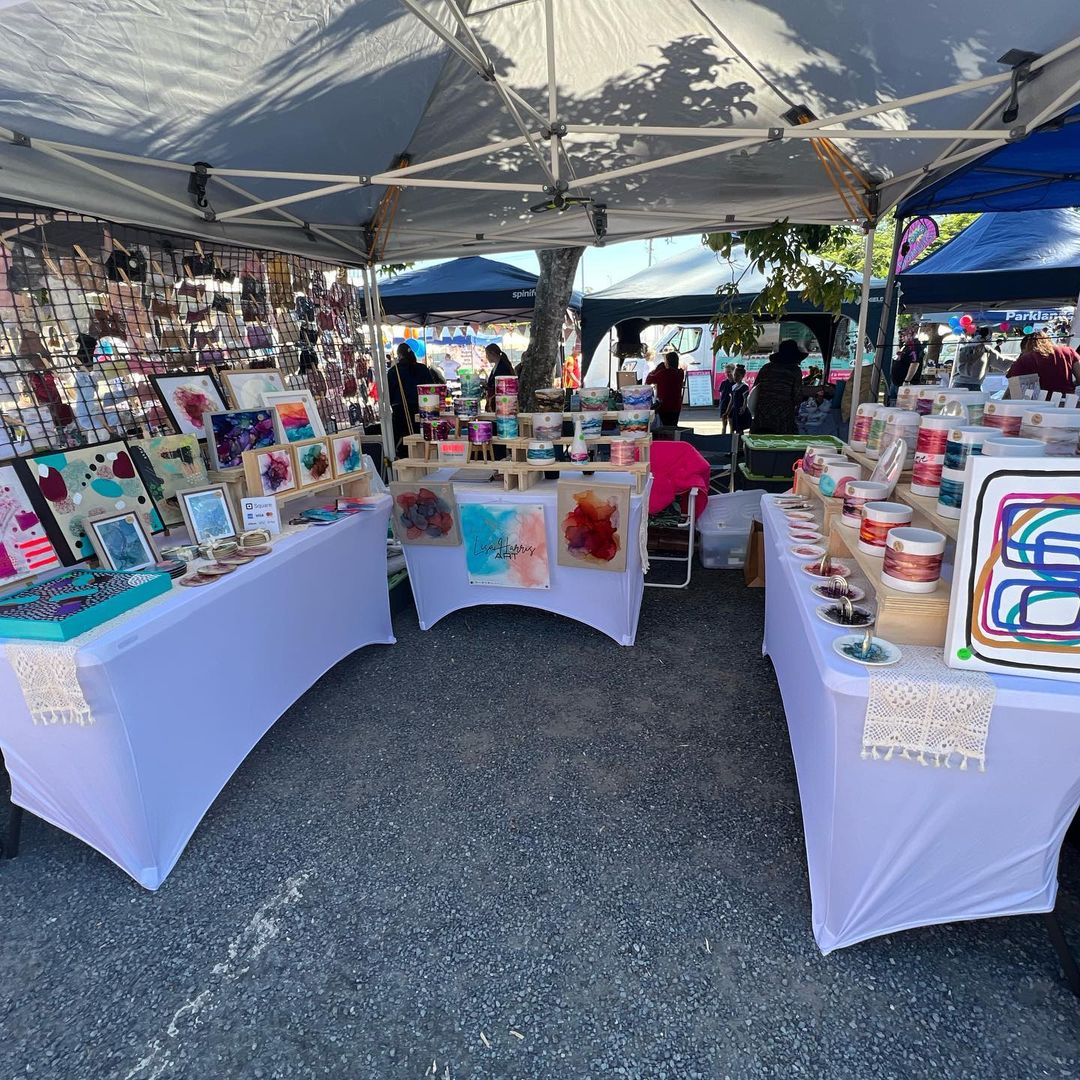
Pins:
x,y
506,405
623,451
924,400
934,434
926,474
435,430
856,495
506,384
1008,416
912,559
965,441
878,518
860,426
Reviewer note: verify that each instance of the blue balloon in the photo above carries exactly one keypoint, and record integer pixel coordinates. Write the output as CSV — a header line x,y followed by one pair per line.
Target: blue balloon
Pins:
x,y
954,322
417,346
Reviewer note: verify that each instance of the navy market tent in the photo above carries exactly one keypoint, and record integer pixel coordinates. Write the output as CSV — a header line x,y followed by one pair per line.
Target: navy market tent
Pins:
x,y
392,130
469,290
683,288
1039,172
998,261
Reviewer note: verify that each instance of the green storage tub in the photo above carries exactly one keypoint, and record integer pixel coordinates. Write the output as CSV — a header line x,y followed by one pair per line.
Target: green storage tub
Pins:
x,y
775,455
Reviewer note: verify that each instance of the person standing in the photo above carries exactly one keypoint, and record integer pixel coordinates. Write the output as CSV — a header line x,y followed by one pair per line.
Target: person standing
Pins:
x,y
779,391
1058,366
738,408
973,360
723,393
500,367
907,366
404,378
668,379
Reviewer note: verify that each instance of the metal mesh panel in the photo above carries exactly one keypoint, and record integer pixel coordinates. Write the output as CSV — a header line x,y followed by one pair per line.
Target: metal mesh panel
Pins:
x,y
89,311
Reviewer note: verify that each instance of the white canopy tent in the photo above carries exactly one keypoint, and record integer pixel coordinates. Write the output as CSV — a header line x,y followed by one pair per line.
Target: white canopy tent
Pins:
x,y
375,130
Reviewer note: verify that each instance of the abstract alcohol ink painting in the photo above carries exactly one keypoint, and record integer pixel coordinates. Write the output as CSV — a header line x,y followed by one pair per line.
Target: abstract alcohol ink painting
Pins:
x,y
295,414
312,462
230,434
271,471
188,398
207,514
1015,604
25,549
70,487
166,464
121,543
425,513
347,454
505,544
593,522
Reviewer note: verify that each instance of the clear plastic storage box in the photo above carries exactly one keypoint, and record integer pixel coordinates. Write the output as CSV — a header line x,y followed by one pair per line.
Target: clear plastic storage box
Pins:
x,y
724,529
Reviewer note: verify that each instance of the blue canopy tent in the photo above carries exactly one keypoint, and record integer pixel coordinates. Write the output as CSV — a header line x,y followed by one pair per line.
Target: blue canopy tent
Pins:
x,y
468,290
683,288
999,261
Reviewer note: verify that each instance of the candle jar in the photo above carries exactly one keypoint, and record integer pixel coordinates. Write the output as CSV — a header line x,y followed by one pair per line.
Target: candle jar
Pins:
x,y
857,494
912,559
876,439
551,399
592,424
506,427
836,476
1010,447
594,398
934,434
951,495
963,442
860,426
877,519
506,405
540,452
480,431
637,397
506,385
466,408
1057,429
902,425
623,451
634,420
547,425
1007,416
926,474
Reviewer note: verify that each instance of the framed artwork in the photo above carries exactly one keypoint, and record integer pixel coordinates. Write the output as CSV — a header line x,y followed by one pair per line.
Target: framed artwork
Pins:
x,y
271,471
312,462
25,548
347,454
187,398
505,544
121,542
425,513
69,488
166,464
207,513
295,415
593,519
246,388
229,434
1015,606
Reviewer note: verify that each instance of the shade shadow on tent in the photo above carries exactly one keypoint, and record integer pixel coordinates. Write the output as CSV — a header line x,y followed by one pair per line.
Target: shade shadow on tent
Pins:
x,y
683,288
1001,259
468,290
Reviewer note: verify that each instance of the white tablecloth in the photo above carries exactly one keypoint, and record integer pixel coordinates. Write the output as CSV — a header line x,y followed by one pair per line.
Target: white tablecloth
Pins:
x,y
182,691
610,602
892,845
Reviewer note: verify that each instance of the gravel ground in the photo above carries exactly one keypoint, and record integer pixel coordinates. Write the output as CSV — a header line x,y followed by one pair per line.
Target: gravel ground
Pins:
x,y
510,848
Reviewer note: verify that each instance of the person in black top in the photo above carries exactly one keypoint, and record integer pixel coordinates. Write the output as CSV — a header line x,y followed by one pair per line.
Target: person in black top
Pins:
x,y
907,367
404,377
500,366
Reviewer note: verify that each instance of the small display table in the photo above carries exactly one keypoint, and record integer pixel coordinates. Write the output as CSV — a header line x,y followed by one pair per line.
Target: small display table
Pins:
x,y
182,690
608,601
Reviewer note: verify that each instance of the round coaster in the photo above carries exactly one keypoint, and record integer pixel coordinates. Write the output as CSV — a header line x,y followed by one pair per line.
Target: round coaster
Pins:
x,y
256,552
195,579
237,560
216,569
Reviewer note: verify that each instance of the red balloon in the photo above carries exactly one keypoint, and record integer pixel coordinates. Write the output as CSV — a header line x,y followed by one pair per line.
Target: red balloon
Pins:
x,y
966,320
1003,326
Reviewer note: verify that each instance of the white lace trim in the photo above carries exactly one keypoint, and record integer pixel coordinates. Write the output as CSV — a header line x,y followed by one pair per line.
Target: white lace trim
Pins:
x,y
928,712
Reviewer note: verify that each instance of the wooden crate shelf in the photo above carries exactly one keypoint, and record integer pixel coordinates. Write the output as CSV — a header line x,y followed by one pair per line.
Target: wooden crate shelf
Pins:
x,y
528,475
414,469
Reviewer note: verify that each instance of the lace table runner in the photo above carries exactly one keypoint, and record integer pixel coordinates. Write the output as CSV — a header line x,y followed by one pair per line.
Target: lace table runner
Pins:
x,y
927,711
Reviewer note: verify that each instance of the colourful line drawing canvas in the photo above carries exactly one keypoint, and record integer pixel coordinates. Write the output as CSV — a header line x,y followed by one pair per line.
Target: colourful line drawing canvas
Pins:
x,y
70,487
1016,584
271,471
593,519
188,398
246,388
312,462
25,549
347,454
229,434
505,544
425,513
295,415
166,464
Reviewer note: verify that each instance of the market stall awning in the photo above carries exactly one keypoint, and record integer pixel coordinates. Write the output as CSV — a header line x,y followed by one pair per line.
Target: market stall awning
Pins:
x,y
1001,260
404,129
470,290
683,289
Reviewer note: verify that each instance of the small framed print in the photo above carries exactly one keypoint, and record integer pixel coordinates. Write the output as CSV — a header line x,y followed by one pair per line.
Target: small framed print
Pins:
x,y
187,398
121,542
295,415
271,471
347,454
312,462
207,513
246,388
230,434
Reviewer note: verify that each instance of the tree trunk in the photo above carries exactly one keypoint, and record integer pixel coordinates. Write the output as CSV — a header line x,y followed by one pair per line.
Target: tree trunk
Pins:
x,y
540,360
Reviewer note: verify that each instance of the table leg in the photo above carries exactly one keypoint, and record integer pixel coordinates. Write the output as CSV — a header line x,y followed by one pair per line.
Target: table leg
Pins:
x,y
9,848
1061,947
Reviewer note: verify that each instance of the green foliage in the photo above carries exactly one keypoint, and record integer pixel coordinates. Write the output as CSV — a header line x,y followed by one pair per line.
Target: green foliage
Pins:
x,y
389,270
787,251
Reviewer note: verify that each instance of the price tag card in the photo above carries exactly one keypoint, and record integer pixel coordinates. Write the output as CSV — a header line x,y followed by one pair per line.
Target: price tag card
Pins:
x,y
454,453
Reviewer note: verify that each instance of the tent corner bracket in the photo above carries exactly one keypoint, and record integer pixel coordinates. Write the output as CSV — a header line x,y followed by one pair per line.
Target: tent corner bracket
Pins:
x,y
1017,133
19,139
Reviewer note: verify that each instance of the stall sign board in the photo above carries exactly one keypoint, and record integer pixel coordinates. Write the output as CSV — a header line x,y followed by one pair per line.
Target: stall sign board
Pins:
x,y
699,389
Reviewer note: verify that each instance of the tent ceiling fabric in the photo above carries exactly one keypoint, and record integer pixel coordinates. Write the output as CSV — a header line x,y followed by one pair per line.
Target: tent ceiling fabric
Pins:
x,y
331,94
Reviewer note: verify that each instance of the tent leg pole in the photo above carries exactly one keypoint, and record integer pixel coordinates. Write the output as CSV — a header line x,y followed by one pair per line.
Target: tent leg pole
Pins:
x,y
864,311
882,344
378,358
1074,341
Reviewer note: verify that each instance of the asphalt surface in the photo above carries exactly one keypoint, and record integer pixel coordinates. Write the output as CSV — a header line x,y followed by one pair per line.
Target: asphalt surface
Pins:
x,y
510,848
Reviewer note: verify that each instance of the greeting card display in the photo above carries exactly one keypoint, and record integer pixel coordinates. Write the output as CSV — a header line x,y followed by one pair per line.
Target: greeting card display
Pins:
x,y
25,549
230,434
71,487
505,544
76,601
188,398
1015,604
593,520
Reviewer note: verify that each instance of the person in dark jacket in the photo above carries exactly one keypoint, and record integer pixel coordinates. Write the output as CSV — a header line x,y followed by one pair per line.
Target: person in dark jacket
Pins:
x,y
404,378
500,366
779,391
